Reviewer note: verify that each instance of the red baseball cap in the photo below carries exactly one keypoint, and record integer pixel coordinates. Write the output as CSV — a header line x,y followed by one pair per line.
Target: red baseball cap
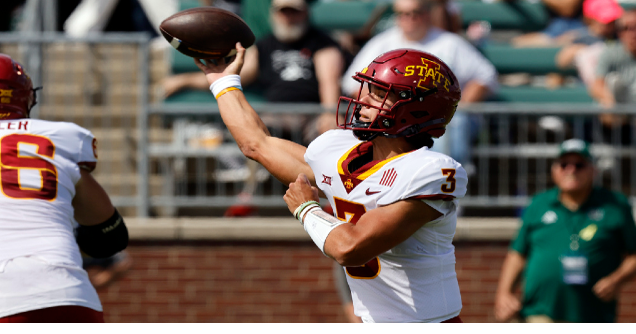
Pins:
x,y
604,11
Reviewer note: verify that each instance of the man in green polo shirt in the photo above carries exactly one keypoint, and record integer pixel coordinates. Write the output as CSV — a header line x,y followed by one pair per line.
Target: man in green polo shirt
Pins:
x,y
577,245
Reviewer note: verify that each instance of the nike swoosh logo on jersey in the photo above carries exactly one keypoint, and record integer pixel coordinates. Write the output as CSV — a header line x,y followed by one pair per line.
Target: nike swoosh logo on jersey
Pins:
x,y
371,192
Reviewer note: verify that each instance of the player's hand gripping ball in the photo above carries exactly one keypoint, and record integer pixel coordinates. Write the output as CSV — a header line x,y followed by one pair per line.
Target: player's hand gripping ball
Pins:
x,y
215,69
206,32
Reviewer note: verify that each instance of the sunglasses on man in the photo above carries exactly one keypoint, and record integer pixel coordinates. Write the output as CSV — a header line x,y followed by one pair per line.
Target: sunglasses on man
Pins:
x,y
577,165
410,14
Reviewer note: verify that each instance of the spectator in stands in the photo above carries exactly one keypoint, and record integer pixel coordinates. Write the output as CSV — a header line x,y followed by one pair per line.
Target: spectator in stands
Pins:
x,y
477,77
446,15
233,6
295,63
577,245
599,17
64,10
119,15
563,28
615,77
296,58
8,14
565,19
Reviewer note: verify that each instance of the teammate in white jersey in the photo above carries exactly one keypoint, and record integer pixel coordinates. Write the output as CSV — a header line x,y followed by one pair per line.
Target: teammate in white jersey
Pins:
x,y
46,183
395,201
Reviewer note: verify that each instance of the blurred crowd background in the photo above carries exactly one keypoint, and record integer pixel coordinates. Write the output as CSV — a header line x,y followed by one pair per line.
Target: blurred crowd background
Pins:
x,y
533,74
212,240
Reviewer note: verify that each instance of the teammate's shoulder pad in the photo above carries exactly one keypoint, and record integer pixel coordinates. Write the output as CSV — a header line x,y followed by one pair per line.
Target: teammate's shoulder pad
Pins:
x,y
74,127
66,128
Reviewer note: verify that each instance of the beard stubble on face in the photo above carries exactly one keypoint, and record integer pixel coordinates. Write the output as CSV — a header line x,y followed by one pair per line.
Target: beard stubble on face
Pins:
x,y
289,33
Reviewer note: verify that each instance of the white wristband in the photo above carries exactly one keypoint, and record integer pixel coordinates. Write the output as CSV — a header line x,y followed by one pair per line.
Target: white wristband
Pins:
x,y
319,224
302,207
225,84
306,210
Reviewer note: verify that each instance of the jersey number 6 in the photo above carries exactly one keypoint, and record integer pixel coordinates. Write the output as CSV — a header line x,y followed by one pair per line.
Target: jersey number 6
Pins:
x,y
11,162
351,212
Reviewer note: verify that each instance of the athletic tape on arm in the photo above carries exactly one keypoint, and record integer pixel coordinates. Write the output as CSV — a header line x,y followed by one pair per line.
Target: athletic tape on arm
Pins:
x,y
318,225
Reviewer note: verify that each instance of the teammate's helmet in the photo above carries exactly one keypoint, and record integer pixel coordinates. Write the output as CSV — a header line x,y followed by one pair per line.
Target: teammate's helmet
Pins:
x,y
428,93
17,95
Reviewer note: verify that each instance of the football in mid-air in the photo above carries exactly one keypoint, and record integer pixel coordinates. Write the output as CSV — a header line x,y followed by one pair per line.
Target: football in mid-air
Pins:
x,y
206,32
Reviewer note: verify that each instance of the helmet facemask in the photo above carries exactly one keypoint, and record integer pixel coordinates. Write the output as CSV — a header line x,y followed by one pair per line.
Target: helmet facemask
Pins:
x,y
366,130
425,90
386,121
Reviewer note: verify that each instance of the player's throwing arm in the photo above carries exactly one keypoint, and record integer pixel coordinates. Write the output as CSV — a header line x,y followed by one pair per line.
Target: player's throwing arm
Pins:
x,y
394,200
282,158
216,39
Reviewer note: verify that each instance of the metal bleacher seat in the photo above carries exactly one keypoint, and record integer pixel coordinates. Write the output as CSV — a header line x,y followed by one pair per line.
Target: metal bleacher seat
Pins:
x,y
577,94
509,59
329,16
181,63
354,16
509,15
522,16
535,61
348,15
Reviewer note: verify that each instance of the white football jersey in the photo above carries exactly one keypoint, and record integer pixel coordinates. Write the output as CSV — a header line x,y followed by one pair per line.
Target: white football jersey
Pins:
x,y
40,165
416,280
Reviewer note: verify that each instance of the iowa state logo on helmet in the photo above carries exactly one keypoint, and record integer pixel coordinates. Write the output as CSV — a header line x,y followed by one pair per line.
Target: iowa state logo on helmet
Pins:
x,y
427,94
429,73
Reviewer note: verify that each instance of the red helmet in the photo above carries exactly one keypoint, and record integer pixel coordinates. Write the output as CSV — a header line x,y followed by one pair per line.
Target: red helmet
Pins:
x,y
428,93
17,95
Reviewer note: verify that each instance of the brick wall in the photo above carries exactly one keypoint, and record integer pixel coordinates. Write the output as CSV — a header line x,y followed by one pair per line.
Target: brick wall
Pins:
x,y
273,282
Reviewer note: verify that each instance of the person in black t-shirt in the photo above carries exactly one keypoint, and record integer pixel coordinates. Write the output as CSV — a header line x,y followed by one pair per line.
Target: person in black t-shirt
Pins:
x,y
295,63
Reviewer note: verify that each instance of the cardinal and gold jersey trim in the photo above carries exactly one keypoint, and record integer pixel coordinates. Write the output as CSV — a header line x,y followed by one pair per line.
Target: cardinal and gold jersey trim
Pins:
x,y
351,179
341,161
377,166
435,197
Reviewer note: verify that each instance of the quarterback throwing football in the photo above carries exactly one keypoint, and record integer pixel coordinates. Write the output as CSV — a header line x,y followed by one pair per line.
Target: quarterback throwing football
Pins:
x,y
46,183
394,200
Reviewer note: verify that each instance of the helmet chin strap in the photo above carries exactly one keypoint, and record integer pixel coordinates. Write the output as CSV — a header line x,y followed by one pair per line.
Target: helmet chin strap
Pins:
x,y
361,134
370,135
413,130
35,100
356,123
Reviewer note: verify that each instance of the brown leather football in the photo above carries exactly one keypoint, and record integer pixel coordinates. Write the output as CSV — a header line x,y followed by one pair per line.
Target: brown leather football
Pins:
x,y
206,32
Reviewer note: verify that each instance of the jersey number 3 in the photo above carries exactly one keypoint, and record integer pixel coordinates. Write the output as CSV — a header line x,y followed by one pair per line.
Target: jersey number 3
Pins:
x,y
12,162
351,212
449,186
